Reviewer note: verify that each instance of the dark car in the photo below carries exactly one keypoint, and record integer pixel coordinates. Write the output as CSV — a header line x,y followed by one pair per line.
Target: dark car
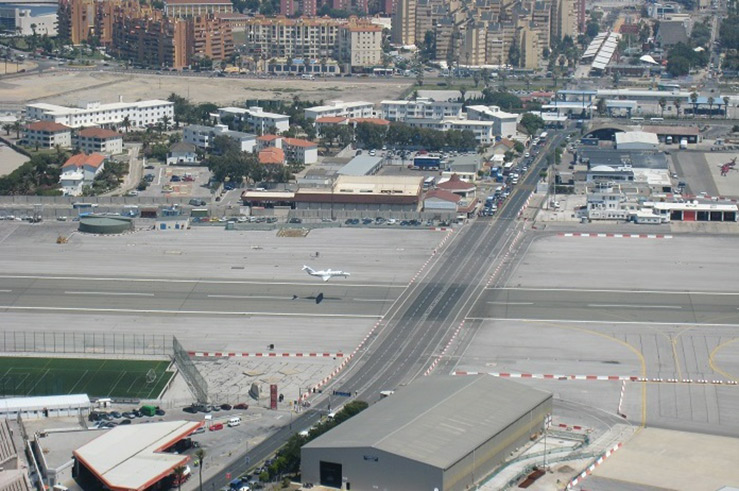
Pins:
x,y
197,202
190,409
129,415
295,220
160,412
149,167
125,422
115,414
226,407
175,178
367,221
241,405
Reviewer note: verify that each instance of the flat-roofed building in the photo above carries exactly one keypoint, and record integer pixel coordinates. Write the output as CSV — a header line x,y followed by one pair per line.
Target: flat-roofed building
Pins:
x,y
358,109
261,120
203,136
138,114
361,165
444,433
360,45
133,457
421,108
505,123
363,193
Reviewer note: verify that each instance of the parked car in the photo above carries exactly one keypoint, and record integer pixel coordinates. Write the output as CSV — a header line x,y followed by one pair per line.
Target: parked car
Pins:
x,y
226,407
197,202
241,405
295,220
216,427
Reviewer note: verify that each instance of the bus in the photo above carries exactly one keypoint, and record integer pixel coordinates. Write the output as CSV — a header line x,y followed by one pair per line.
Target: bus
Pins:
x,y
382,72
543,137
429,182
671,86
84,206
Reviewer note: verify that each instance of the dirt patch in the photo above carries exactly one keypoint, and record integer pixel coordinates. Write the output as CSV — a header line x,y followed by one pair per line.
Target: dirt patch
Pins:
x,y
72,88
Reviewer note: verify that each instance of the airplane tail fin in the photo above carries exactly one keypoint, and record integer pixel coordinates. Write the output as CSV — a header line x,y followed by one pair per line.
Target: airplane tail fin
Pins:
x,y
308,269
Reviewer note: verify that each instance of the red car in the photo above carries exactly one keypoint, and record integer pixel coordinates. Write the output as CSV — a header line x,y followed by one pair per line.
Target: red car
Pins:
x,y
216,427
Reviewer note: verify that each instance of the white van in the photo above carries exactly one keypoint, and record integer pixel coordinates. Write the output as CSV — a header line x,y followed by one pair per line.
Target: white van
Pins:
x,y
235,421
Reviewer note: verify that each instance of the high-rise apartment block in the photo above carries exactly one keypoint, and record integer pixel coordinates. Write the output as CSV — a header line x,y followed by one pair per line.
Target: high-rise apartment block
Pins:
x,y
147,36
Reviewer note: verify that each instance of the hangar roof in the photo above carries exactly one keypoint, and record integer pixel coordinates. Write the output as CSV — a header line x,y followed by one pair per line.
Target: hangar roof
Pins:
x,y
436,420
132,457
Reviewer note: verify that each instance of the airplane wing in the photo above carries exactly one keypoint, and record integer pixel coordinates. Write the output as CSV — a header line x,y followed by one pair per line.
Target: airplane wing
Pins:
x,y
326,277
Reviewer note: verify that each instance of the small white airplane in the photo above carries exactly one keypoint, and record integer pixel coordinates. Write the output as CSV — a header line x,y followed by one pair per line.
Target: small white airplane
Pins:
x,y
325,274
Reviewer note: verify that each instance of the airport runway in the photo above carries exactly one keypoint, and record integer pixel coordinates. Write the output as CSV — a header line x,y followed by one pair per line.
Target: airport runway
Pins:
x,y
423,318
656,307
195,297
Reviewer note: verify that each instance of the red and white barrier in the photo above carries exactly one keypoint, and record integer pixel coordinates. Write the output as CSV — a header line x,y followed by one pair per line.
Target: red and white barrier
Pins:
x,y
271,354
616,236
580,477
606,378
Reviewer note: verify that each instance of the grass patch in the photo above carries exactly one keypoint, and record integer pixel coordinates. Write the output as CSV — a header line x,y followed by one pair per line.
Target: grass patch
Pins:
x,y
139,379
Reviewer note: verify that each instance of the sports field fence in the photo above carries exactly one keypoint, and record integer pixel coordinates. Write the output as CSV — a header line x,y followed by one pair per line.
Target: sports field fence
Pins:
x,y
189,372
87,343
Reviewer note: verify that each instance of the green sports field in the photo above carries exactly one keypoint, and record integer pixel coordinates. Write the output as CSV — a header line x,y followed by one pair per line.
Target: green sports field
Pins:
x,y
140,379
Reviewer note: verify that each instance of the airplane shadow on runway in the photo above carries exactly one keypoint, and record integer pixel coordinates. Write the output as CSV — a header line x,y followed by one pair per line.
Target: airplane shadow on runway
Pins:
x,y
317,298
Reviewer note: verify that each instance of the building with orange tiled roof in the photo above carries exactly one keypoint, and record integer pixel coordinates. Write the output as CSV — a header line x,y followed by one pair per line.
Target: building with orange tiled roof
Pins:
x,y
100,140
272,156
296,149
80,170
47,134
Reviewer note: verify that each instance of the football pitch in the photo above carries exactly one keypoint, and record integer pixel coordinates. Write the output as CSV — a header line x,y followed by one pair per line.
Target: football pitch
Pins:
x,y
134,379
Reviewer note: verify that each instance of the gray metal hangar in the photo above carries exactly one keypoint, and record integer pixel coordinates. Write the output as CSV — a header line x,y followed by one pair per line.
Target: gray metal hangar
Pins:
x,y
439,433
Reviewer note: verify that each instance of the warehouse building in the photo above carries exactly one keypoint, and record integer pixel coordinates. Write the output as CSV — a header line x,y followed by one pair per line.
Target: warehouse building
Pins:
x,y
362,165
636,140
439,433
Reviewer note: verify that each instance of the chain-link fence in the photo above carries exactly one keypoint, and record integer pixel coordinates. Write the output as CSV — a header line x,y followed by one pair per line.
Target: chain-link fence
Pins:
x,y
189,372
87,343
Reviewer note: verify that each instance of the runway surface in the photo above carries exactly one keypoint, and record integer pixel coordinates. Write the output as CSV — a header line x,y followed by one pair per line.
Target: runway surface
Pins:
x,y
195,297
659,307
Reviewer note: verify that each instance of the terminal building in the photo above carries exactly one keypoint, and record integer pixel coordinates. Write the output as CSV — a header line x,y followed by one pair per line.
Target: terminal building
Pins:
x,y
438,433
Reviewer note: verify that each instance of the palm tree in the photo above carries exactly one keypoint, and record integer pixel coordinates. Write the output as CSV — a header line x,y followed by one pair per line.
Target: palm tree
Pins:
x,y
662,103
200,454
17,126
165,122
677,107
179,472
7,127
711,100
694,100
726,106
126,123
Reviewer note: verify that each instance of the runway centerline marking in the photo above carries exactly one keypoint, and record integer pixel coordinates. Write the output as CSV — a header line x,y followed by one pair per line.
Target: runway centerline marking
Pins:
x,y
600,290
510,303
112,294
370,300
629,306
5,291
250,297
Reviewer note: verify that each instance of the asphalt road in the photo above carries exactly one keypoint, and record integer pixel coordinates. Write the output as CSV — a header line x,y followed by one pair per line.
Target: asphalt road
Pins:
x,y
609,306
161,297
420,321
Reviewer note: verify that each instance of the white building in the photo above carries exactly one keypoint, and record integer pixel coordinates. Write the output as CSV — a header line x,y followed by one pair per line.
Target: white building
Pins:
x,y
505,123
100,140
182,153
262,121
203,136
47,134
45,406
360,45
140,114
483,130
421,108
19,20
339,108
636,140
79,171
296,149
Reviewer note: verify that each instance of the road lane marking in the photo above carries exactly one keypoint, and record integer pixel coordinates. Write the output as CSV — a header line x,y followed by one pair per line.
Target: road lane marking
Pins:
x,y
252,297
597,290
112,294
628,306
187,312
598,321
510,303
5,291
370,300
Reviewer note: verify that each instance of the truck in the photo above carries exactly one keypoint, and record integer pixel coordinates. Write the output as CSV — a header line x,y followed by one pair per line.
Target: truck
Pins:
x,y
149,410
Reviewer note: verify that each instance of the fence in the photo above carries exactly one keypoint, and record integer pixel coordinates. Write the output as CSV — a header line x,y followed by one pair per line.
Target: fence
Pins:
x,y
189,372
88,343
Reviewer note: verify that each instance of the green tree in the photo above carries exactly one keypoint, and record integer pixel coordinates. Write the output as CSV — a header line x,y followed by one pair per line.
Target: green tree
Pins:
x,y
179,473
200,455
518,147
531,123
126,123
7,127
662,104
514,53
678,103
694,100
726,106
601,106
711,100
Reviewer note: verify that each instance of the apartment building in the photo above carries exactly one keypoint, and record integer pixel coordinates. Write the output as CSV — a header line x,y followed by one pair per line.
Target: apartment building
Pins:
x,y
280,37
483,130
261,120
404,22
291,8
357,109
80,170
564,19
76,20
99,140
421,108
47,134
203,136
360,45
138,114
196,8
295,149
210,37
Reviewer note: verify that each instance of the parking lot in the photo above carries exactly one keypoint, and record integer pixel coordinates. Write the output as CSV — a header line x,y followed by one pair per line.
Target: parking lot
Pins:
x,y
176,181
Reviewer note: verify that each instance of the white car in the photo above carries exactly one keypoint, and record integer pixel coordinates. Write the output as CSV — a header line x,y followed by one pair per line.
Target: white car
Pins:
x,y
527,155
